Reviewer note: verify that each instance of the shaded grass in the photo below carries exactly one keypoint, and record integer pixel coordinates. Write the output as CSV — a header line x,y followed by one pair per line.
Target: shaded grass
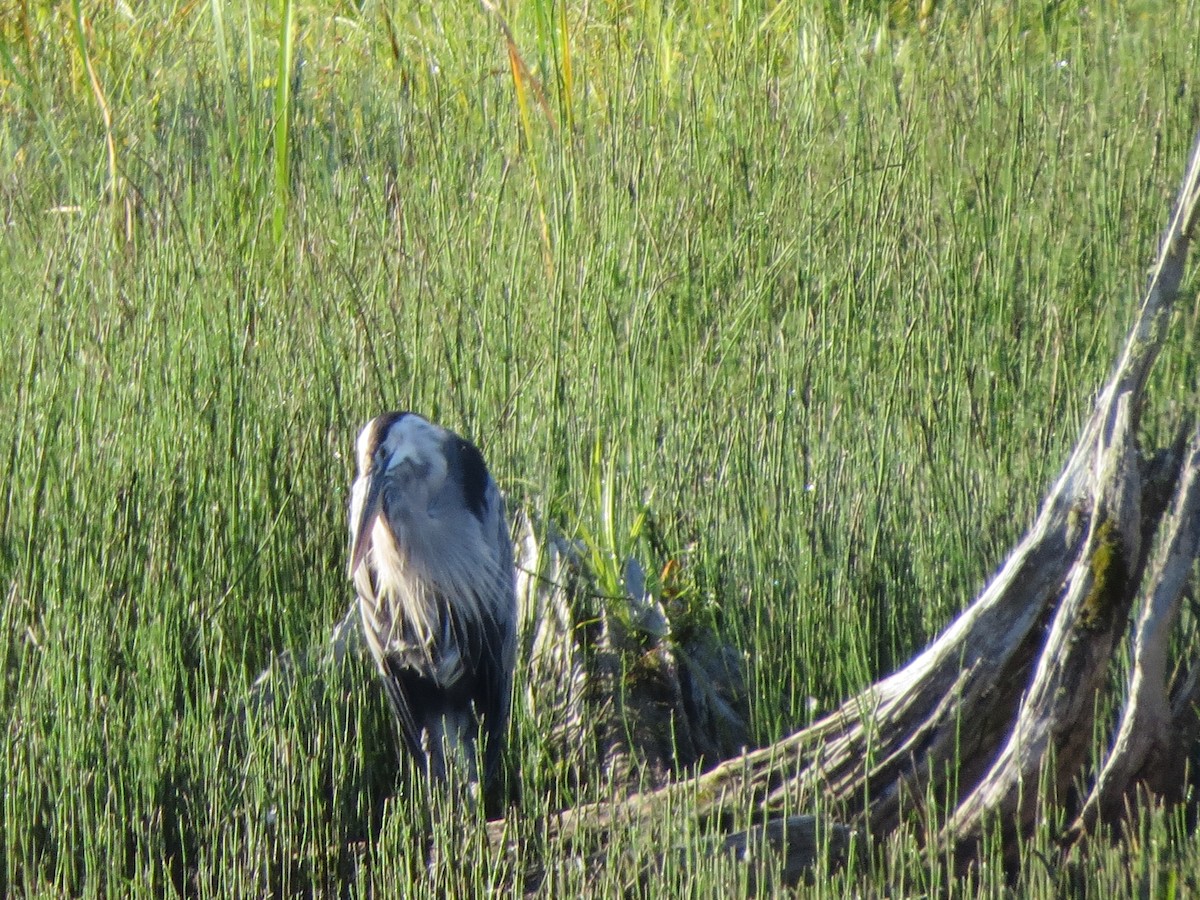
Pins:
x,y
829,297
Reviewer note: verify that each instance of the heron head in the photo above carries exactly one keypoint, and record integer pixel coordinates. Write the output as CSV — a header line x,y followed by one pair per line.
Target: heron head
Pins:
x,y
412,475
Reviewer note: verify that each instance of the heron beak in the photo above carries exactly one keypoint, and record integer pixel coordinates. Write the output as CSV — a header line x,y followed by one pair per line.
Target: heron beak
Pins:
x,y
372,504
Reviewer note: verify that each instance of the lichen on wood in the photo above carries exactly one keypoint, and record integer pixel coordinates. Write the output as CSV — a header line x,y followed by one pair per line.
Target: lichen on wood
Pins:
x,y
1109,573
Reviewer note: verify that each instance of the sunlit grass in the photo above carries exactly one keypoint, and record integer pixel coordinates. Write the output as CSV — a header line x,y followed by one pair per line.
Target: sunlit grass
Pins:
x,y
820,294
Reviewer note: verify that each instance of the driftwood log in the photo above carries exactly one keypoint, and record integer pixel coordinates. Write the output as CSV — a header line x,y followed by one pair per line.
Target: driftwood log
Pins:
x,y
995,718
992,721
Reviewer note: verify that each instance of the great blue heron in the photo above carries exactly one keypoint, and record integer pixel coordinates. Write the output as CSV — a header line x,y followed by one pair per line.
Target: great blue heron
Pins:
x,y
432,562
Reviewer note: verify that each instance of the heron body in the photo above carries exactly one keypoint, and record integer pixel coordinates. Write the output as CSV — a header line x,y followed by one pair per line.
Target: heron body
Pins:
x,y
432,563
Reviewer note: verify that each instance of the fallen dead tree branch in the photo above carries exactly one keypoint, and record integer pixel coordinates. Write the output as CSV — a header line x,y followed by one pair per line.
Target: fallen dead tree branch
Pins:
x,y
992,720
1004,698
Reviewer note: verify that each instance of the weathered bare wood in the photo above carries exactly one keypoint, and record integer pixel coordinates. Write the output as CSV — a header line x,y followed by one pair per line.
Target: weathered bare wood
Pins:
x,y
995,697
798,843
1147,744
1056,715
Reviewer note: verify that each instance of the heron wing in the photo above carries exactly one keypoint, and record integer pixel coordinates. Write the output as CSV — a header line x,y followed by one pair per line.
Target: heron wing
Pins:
x,y
395,686
493,691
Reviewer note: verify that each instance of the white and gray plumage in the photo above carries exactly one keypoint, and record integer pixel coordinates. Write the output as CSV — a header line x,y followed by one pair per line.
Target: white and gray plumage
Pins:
x,y
432,562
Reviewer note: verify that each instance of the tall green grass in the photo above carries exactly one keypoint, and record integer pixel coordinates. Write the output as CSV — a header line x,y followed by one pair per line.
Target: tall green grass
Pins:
x,y
824,289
